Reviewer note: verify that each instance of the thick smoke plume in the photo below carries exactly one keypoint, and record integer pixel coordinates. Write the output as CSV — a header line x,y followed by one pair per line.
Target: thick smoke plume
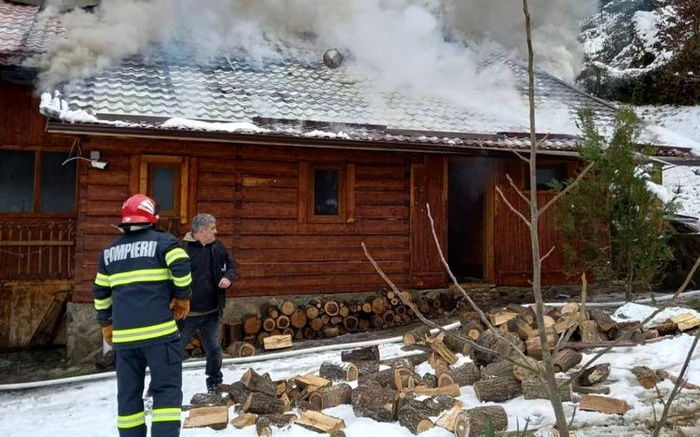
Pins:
x,y
430,46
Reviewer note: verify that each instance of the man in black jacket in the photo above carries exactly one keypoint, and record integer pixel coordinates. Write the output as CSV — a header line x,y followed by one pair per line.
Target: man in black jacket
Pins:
x,y
212,273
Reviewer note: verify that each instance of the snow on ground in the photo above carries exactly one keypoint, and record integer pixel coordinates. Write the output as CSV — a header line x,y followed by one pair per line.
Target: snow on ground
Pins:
x,y
89,409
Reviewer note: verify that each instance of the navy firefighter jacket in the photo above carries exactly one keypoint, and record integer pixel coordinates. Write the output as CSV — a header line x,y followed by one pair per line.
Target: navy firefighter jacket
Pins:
x,y
138,275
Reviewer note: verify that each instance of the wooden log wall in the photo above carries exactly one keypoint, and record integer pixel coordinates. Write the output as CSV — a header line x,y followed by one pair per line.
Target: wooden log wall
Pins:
x,y
254,193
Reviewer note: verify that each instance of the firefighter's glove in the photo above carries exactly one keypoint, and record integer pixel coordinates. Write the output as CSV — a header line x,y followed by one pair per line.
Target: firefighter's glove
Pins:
x,y
107,333
180,307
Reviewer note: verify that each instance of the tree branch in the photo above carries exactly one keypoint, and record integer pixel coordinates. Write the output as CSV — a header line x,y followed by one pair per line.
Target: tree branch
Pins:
x,y
512,208
547,254
517,190
568,188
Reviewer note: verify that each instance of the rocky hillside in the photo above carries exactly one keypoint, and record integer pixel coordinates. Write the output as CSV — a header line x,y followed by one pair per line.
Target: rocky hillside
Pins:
x,y
633,52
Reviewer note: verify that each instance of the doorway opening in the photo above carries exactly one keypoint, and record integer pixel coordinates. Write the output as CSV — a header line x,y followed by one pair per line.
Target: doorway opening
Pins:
x,y
468,223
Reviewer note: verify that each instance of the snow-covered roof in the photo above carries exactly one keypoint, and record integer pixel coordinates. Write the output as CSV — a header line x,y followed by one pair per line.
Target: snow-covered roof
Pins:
x,y
24,33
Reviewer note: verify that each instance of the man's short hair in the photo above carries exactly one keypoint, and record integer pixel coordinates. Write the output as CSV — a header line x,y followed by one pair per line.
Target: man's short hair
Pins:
x,y
200,221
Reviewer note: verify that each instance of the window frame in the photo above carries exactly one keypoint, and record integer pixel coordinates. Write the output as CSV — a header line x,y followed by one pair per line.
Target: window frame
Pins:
x,y
36,199
545,165
148,163
312,217
346,193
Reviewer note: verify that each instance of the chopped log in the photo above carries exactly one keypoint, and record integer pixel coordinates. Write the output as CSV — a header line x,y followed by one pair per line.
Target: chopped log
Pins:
x,y
515,308
439,348
280,420
414,360
311,312
456,344
466,374
414,419
685,321
298,319
258,383
429,380
290,332
240,349
589,331
212,417
603,404
389,317
569,308
244,420
366,368
252,325
320,422
502,317
548,321
480,357
535,389
521,373
443,380
369,353
503,368
591,390
650,334
471,328
282,387
565,359
338,433
282,322
261,403
646,377
377,403
602,319
448,419
316,324
329,397
330,331
366,307
416,335
338,372
497,389
275,332
668,328
331,308
566,323
474,422
344,311
351,323
448,390
662,374
520,327
207,399
288,307
312,382
438,404
277,342
262,427
377,321
269,324
379,305
593,375
437,363
272,311
238,391
382,378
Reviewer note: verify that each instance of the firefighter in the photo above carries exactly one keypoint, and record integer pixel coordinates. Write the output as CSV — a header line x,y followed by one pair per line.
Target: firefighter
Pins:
x,y
142,287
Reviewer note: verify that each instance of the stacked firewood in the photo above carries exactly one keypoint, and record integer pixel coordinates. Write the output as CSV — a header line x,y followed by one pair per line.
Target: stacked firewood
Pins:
x,y
326,318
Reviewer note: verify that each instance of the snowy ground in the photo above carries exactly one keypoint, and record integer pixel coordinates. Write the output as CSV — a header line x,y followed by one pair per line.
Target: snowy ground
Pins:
x,y
89,409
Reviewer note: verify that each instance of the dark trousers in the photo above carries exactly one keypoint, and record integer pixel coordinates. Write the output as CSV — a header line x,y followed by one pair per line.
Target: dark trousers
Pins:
x,y
165,363
208,326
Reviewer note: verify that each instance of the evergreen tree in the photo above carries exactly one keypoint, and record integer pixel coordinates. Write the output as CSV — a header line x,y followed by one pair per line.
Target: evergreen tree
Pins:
x,y
611,220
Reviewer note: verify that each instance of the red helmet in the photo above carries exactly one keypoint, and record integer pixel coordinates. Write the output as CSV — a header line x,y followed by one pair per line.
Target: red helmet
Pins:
x,y
139,209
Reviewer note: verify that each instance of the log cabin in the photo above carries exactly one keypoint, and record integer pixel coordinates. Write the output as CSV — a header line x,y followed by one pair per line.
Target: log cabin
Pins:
x,y
297,162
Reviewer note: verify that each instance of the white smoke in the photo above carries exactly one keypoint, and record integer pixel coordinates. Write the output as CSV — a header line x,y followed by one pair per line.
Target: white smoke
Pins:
x,y
398,44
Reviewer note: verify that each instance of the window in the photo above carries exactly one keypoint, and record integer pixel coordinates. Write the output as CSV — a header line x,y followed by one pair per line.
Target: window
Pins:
x,y
164,178
547,173
36,182
329,193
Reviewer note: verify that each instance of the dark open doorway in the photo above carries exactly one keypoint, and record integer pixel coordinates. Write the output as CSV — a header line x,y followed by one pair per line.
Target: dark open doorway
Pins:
x,y
468,182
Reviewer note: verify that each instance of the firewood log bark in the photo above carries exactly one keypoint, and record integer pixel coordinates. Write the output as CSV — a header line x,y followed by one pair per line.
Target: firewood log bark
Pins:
x,y
668,328
483,358
258,383
366,368
282,322
339,371
382,378
501,368
416,335
252,325
377,403
457,345
330,331
351,323
565,359
497,389
593,375
280,420
535,389
589,331
262,427
244,420
261,403
370,353
474,422
414,419
238,391
429,380
329,397
466,374
602,319
521,373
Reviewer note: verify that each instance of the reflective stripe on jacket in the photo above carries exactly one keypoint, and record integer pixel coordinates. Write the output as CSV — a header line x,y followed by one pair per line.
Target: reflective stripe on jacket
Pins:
x,y
137,277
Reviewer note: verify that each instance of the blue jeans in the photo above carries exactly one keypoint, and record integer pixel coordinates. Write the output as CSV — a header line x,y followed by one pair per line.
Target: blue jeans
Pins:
x,y
208,326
